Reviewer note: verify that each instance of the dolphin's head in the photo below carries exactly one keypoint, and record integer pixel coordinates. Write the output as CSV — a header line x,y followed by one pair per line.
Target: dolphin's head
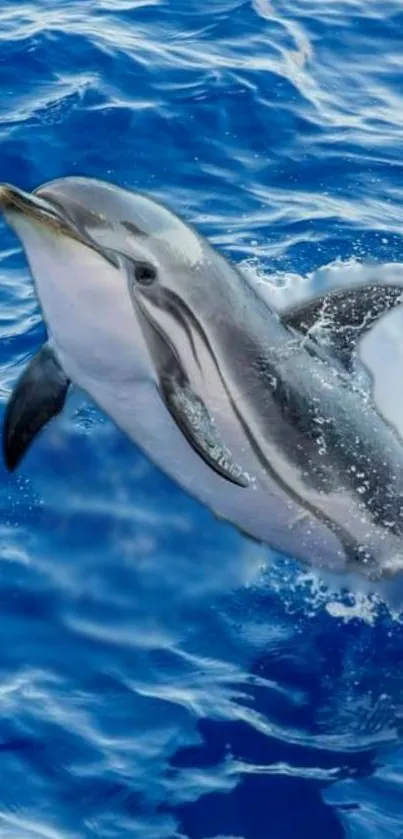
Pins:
x,y
170,269
176,280
160,248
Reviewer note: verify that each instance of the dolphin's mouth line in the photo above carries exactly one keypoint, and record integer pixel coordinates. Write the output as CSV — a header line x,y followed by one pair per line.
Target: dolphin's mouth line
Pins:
x,y
32,206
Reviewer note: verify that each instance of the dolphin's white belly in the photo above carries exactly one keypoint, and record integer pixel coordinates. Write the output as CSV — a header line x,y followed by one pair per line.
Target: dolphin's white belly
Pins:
x,y
265,515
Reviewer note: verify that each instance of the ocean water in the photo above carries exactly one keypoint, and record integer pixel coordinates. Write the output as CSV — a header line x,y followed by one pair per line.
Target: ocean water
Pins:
x,y
161,676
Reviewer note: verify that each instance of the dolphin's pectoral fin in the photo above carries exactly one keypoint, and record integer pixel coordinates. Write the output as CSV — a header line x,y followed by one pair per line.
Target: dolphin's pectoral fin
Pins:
x,y
340,318
38,396
195,422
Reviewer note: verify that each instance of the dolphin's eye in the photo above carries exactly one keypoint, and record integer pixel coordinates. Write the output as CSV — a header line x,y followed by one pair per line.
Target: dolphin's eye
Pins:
x,y
145,273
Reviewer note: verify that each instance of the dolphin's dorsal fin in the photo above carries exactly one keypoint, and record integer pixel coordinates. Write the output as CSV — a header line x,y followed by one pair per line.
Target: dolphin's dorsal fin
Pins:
x,y
341,317
38,396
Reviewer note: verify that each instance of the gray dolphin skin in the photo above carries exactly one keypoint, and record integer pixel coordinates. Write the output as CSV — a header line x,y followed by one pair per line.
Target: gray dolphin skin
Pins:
x,y
259,416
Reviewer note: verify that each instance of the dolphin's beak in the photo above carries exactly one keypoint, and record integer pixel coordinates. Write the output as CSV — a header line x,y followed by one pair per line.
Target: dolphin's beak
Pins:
x,y
14,201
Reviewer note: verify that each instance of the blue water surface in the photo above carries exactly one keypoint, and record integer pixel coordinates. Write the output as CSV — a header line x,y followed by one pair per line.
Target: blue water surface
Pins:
x,y
161,676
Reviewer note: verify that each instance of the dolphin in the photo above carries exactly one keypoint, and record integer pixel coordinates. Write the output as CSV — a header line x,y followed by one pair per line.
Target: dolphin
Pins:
x,y
259,415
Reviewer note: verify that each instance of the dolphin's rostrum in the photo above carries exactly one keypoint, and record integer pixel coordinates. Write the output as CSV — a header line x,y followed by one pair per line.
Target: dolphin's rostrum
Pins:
x,y
258,415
